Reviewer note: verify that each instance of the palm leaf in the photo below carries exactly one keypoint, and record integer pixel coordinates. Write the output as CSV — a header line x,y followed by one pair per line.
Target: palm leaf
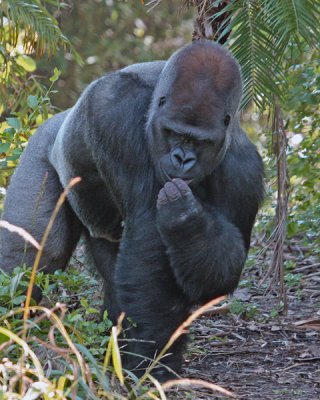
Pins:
x,y
41,30
260,33
294,18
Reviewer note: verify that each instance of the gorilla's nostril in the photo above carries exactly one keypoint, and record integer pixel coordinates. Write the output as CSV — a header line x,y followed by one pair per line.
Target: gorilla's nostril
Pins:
x,y
182,159
177,157
189,162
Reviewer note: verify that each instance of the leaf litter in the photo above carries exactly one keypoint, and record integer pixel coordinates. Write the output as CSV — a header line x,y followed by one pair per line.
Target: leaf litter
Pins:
x,y
267,355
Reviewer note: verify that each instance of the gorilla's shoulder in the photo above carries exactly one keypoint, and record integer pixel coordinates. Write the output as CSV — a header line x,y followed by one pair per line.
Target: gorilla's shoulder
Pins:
x,y
137,79
242,154
147,72
107,99
47,131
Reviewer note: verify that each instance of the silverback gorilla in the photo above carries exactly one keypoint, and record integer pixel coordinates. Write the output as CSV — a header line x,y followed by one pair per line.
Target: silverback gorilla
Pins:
x,y
170,189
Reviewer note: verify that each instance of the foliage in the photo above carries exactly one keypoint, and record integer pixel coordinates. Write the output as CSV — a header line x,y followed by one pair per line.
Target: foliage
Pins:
x,y
245,310
26,28
63,331
62,351
97,32
33,110
63,287
260,34
303,122
29,22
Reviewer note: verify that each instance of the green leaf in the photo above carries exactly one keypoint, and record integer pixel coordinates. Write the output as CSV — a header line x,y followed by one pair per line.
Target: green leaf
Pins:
x,y
84,303
3,338
56,75
4,147
92,310
26,62
18,300
14,122
32,101
15,283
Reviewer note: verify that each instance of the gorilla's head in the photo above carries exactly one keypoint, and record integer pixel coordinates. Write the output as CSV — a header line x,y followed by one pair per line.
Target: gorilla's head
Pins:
x,y
193,110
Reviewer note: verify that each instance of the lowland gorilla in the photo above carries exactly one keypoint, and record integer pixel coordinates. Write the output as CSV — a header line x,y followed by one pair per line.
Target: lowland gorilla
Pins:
x,y
170,189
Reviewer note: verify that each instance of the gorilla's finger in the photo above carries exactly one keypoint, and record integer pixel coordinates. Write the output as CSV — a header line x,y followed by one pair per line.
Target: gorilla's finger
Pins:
x,y
172,191
162,198
182,186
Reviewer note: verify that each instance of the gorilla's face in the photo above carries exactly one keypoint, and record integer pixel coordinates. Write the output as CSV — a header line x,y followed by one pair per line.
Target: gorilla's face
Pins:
x,y
192,112
181,149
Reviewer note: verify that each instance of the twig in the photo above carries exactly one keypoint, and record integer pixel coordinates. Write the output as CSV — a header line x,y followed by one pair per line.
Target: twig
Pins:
x,y
300,269
276,269
196,382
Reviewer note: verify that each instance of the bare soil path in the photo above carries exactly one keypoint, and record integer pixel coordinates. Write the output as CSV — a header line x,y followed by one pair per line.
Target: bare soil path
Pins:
x,y
255,352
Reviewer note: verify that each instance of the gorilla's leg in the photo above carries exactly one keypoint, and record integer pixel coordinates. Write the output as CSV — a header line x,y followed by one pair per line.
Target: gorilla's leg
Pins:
x,y
31,197
104,254
150,298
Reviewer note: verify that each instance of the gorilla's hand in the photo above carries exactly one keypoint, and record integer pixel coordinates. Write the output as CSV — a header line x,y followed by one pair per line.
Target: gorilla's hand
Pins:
x,y
177,207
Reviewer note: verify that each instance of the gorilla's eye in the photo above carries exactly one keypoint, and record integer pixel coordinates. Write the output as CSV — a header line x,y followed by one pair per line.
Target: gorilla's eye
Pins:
x,y
162,101
226,120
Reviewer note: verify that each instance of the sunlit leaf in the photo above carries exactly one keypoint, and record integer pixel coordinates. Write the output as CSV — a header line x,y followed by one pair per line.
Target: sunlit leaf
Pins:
x,y
26,62
56,75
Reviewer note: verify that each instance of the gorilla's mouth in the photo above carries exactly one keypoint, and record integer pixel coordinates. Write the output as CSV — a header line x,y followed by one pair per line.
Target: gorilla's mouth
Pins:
x,y
168,177
188,181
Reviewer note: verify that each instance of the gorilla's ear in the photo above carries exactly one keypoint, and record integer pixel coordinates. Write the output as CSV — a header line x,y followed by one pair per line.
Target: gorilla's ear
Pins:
x,y
162,101
226,120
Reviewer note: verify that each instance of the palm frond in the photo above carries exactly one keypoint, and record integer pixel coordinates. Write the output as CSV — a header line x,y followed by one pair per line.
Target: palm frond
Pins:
x,y
294,18
260,33
41,30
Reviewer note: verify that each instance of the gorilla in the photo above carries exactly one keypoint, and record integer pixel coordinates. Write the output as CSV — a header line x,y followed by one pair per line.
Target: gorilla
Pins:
x,y
170,189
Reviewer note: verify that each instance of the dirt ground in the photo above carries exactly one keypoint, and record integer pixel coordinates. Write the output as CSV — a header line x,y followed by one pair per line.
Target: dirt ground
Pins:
x,y
255,353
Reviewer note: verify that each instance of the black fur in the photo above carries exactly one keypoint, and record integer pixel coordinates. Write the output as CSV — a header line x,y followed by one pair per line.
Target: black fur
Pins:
x,y
154,150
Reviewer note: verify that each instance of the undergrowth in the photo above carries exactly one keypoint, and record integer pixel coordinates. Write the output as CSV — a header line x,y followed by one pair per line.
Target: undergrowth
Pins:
x,y
64,350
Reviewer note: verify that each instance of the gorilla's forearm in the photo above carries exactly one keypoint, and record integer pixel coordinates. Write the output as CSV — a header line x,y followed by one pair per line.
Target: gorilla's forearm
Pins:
x,y
207,256
206,252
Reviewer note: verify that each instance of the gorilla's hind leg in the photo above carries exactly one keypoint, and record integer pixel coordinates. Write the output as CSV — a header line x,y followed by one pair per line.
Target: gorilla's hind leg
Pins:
x,y
103,254
31,198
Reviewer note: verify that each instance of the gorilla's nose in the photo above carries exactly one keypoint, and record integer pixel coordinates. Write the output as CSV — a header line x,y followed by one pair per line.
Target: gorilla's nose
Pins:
x,y
183,160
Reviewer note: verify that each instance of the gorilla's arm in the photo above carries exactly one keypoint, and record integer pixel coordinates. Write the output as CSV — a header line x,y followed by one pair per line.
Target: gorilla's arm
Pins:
x,y
206,251
107,127
207,243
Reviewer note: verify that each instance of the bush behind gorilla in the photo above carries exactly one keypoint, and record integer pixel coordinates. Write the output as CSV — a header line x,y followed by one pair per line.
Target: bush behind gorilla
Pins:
x,y
158,145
